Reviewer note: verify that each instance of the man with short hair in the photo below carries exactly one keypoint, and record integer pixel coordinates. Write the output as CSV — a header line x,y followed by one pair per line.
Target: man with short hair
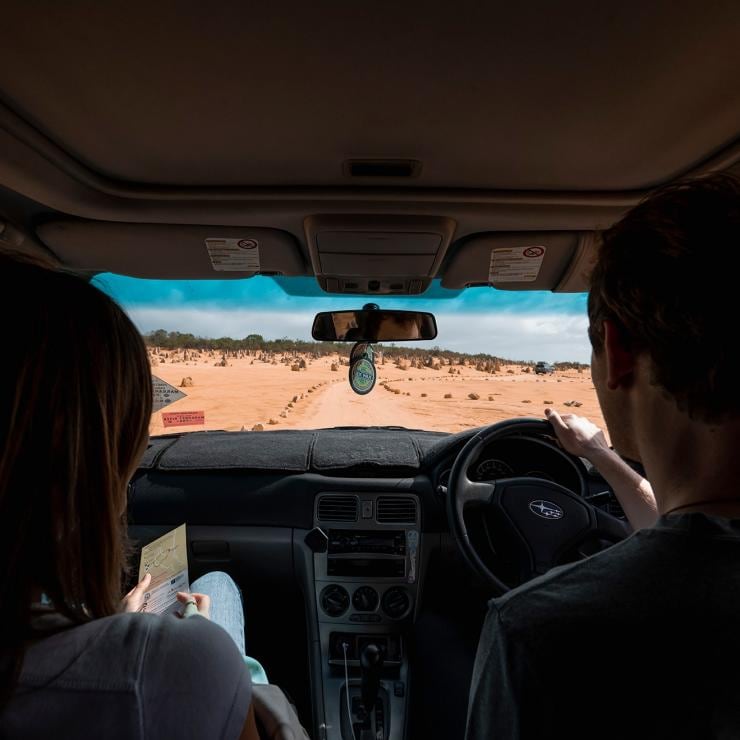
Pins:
x,y
643,639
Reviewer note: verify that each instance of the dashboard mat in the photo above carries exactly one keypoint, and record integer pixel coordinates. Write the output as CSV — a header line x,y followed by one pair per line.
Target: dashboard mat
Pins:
x,y
293,450
155,448
280,450
348,448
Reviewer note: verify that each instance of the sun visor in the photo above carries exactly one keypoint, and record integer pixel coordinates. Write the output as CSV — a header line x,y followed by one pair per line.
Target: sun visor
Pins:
x,y
557,261
172,251
385,255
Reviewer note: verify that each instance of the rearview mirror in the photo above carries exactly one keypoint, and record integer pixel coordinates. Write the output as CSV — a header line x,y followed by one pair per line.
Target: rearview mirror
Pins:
x,y
373,325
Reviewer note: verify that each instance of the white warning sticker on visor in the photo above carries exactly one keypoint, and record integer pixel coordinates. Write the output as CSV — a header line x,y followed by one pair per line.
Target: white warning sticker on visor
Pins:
x,y
515,264
234,255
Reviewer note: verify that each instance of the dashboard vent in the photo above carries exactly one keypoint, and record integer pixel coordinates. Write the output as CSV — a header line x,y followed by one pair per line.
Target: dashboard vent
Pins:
x,y
338,509
396,510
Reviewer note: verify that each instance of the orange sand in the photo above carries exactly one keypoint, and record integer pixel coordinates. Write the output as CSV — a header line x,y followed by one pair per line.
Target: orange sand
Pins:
x,y
250,391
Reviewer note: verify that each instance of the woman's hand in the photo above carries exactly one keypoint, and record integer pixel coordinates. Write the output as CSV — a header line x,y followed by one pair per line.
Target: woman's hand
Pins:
x,y
133,601
578,435
202,602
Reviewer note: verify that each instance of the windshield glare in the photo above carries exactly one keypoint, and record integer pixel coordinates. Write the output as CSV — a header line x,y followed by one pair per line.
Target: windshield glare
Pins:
x,y
240,355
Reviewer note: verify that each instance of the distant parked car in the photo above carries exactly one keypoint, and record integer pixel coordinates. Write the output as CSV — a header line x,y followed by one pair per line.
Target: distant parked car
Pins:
x,y
543,368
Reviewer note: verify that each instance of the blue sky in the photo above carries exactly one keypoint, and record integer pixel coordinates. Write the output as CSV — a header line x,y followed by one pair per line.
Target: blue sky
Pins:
x,y
525,325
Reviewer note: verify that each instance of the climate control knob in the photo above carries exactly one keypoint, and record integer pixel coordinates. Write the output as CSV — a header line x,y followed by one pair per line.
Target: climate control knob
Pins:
x,y
396,602
365,599
334,600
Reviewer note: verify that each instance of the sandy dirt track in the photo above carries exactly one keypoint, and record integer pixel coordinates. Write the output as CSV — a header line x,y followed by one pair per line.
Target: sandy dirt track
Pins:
x,y
249,392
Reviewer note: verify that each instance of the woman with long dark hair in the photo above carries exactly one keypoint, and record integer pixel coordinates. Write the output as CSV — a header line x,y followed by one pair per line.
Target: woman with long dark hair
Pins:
x,y
76,660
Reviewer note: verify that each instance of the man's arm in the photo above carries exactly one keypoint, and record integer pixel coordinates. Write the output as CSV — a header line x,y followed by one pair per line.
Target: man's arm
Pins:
x,y
582,438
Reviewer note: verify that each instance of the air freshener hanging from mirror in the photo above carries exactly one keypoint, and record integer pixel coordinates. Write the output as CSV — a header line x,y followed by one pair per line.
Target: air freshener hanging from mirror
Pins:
x,y
362,372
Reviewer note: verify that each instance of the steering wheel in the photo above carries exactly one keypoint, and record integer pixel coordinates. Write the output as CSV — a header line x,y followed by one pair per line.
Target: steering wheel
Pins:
x,y
546,518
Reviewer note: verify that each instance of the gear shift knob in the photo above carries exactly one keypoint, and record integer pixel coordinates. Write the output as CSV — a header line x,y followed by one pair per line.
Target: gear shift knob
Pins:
x,y
371,663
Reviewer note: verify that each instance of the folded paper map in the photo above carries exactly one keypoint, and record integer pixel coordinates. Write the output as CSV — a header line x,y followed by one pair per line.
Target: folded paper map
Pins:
x,y
167,560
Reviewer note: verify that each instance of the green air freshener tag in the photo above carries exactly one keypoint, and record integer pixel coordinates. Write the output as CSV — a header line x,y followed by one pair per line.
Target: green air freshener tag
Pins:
x,y
362,375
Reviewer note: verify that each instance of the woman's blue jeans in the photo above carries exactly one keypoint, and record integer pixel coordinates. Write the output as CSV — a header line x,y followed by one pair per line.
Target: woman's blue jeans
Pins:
x,y
227,611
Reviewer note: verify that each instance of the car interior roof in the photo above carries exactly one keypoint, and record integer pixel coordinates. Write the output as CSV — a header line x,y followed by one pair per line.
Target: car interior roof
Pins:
x,y
125,131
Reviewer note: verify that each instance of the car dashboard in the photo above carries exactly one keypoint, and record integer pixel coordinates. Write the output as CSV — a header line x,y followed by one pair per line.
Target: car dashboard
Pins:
x,y
334,537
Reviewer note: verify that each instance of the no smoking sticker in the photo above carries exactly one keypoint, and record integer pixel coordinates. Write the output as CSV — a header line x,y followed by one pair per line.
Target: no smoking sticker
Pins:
x,y
234,255
515,264
534,251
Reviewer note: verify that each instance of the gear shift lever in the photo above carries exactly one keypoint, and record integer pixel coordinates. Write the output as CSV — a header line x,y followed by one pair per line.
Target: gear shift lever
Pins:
x,y
371,663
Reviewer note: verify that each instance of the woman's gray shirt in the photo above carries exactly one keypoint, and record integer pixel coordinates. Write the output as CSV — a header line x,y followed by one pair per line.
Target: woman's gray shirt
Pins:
x,y
131,676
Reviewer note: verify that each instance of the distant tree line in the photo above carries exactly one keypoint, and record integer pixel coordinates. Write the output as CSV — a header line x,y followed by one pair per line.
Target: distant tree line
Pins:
x,y
175,340
172,340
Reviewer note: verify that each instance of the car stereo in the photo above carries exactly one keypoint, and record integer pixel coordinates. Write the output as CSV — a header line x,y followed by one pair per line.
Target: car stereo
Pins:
x,y
387,551
391,542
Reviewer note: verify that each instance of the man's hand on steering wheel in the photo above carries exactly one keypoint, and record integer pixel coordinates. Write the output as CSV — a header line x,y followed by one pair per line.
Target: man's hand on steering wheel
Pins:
x,y
578,435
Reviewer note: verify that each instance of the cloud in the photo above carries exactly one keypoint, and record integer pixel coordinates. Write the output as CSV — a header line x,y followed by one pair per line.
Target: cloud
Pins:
x,y
548,336
552,337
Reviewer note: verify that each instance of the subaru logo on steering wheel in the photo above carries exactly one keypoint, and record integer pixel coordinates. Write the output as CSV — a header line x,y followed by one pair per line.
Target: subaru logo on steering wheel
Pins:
x,y
546,509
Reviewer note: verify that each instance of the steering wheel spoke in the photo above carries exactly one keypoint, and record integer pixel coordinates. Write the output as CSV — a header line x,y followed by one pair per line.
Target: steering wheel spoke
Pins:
x,y
476,492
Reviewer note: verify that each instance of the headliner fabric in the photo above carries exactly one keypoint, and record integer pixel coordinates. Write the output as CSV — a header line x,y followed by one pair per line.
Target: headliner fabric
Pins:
x,y
293,450
588,96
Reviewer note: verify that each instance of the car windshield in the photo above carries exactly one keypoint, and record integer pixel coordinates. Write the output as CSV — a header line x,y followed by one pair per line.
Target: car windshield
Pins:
x,y
237,355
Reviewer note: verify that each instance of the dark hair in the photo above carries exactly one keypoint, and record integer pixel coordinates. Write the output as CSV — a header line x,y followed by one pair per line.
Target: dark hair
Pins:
x,y
664,276
75,405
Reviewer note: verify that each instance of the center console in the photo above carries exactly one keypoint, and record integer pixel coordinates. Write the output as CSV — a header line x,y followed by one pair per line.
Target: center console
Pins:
x,y
367,554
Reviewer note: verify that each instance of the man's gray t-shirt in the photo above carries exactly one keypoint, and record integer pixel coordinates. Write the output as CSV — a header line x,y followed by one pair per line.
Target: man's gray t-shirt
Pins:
x,y
130,677
639,641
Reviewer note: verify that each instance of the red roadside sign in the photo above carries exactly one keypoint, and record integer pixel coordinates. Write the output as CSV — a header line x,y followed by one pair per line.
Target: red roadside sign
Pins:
x,y
183,418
